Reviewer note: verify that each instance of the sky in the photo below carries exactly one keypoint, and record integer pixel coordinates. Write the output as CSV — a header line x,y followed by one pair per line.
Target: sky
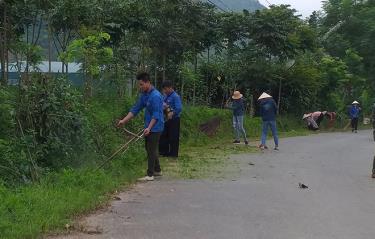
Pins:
x,y
304,7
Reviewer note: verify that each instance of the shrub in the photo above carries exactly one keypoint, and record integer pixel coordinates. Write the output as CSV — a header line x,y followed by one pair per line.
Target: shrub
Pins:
x,y
51,122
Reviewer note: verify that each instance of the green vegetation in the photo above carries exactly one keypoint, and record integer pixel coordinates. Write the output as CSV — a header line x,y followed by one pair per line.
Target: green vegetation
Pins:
x,y
57,197
307,65
53,136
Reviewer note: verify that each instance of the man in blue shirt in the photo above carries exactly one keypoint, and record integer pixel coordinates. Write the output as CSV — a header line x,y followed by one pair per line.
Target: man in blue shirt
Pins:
x,y
152,101
170,138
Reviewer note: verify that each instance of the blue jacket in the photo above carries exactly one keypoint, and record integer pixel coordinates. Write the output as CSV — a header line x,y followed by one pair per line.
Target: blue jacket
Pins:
x,y
354,112
153,102
174,101
268,109
238,107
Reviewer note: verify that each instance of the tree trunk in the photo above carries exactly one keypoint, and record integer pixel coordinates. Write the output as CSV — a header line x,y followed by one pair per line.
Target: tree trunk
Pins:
x,y
3,40
2,59
194,83
279,100
130,83
208,55
118,81
6,45
164,63
182,86
208,79
252,108
88,87
27,59
6,62
49,48
155,76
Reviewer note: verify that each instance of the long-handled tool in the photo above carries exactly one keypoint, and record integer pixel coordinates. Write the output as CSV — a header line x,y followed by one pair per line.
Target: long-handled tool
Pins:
x,y
124,147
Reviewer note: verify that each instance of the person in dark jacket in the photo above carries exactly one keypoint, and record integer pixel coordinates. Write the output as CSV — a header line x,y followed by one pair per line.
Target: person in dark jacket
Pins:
x,y
238,107
170,139
268,111
354,112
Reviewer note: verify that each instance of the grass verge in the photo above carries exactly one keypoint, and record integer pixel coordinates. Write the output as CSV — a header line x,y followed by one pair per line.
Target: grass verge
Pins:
x,y
29,211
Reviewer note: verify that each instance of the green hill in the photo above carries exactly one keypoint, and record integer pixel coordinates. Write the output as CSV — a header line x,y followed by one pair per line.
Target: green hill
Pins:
x,y
238,5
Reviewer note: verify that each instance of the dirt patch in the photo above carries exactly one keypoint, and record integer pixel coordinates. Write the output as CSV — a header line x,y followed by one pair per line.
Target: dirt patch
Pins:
x,y
210,127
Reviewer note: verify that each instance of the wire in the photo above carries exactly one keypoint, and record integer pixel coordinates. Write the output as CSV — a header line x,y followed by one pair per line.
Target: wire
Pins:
x,y
224,4
217,6
269,4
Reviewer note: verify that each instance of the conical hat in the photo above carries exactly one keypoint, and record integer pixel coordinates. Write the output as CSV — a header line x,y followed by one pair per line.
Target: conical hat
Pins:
x,y
237,95
355,103
306,115
264,96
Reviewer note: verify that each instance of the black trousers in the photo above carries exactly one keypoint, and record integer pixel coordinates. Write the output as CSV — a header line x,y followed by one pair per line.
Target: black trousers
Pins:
x,y
151,145
170,138
355,124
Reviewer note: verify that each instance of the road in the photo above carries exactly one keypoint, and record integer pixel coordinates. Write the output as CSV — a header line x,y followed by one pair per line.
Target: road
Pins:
x,y
262,201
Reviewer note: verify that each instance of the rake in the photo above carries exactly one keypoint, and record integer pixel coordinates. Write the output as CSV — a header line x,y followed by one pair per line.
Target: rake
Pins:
x,y
124,147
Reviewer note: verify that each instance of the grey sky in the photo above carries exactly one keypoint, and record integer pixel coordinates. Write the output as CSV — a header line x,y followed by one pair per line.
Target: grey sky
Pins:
x,y
304,7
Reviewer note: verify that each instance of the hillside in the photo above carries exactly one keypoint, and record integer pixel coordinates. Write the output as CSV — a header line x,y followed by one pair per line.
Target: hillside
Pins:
x,y
238,5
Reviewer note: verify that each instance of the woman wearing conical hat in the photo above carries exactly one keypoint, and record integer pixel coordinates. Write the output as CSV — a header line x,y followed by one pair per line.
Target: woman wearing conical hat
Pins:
x,y
311,123
354,112
268,111
238,108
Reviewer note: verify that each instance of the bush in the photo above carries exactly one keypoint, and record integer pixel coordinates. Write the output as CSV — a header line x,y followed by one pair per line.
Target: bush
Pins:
x,y
6,113
51,122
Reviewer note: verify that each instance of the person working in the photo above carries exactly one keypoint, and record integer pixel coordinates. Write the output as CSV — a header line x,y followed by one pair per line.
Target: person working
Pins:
x,y
331,116
170,138
268,110
354,112
317,117
152,101
311,124
238,107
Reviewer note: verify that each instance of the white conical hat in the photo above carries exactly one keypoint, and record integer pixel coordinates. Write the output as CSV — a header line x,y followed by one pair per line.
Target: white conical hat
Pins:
x,y
355,103
264,96
306,115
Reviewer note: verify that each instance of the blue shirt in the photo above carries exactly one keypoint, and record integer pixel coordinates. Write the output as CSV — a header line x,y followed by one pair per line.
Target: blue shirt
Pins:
x,y
153,102
354,112
174,102
268,109
238,107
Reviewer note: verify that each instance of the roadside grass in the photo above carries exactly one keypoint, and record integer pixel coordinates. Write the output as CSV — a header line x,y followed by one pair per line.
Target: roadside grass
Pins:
x,y
204,162
32,210
203,157
29,211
